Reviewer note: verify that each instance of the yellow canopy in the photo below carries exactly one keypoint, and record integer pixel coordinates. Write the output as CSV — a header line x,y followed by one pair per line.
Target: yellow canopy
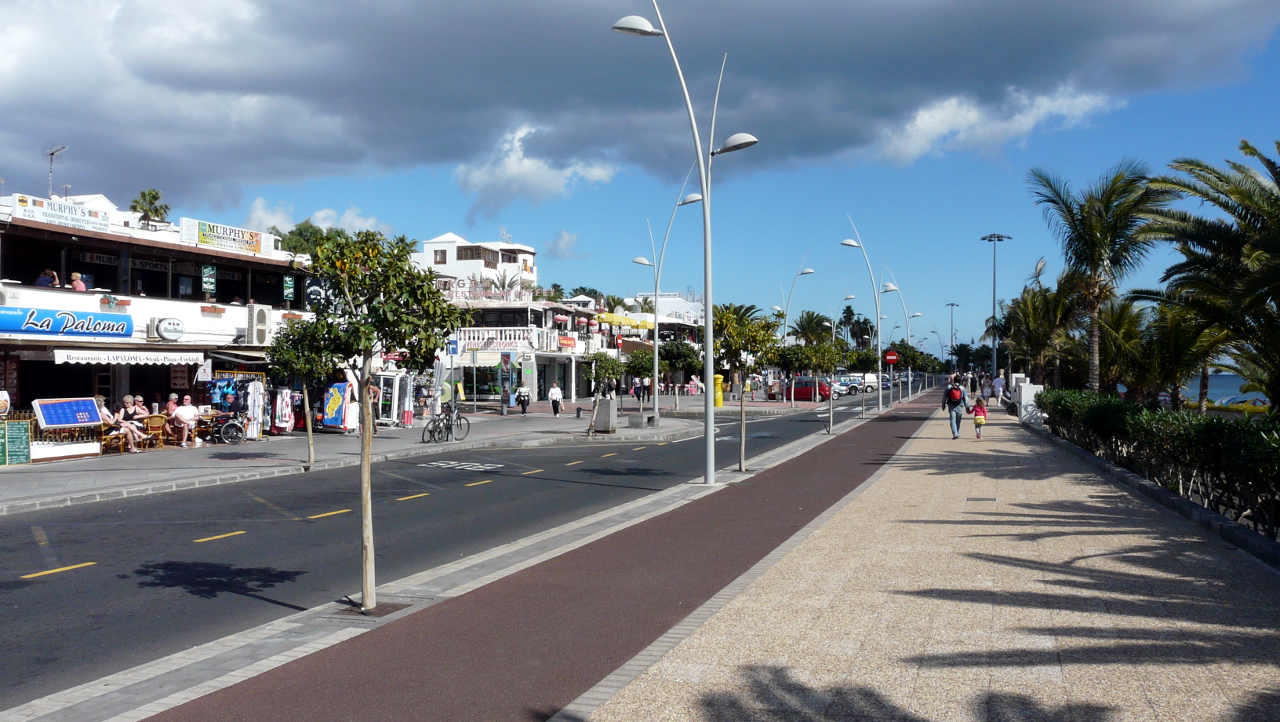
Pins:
x,y
615,319
645,324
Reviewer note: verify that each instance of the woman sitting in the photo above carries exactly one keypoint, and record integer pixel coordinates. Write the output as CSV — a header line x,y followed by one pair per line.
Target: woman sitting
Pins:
x,y
128,419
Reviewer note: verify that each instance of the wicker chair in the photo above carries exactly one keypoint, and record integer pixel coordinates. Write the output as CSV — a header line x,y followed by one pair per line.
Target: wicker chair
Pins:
x,y
153,427
112,438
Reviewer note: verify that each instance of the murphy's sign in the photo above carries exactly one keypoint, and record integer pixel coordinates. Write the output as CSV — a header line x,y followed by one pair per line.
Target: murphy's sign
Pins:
x,y
220,237
59,213
47,322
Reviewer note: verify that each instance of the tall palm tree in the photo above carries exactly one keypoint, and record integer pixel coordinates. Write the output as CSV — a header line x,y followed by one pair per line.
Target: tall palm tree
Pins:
x,y
811,327
646,305
1100,232
613,303
1230,272
1121,323
148,205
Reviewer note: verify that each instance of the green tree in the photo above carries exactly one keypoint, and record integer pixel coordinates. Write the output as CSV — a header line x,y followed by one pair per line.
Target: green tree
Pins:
x,y
1101,234
811,327
585,291
148,205
640,363
612,303
304,237
301,352
556,293
741,346
376,300
645,305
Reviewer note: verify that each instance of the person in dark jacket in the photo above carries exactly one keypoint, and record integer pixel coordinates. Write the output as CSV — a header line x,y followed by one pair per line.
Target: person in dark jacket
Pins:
x,y
956,401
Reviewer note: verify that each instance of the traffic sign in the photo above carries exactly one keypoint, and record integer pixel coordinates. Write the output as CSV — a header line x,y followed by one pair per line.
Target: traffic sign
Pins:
x,y
453,347
891,357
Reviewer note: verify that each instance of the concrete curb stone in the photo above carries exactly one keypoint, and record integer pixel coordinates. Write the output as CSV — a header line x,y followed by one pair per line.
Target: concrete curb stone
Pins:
x,y
1234,533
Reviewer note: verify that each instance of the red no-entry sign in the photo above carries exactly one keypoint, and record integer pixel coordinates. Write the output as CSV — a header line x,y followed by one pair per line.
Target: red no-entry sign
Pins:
x,y
891,357
619,342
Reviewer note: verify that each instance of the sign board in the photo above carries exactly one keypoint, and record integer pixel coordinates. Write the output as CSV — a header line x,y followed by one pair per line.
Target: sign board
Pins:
x,y
568,342
168,329
208,279
453,347
891,357
59,213
15,442
288,288
51,322
73,413
220,237
178,377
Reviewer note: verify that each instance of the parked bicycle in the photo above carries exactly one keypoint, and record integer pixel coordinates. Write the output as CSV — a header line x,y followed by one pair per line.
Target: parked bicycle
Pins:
x,y
446,425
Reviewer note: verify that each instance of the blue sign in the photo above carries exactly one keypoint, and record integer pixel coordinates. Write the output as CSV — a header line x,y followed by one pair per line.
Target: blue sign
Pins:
x,y
66,413
453,347
335,406
47,322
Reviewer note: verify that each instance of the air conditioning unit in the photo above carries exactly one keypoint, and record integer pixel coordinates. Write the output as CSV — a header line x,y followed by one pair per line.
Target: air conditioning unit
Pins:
x,y
259,330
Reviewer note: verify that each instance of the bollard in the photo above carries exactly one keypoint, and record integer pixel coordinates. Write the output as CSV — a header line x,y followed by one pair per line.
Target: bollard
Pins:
x,y
579,412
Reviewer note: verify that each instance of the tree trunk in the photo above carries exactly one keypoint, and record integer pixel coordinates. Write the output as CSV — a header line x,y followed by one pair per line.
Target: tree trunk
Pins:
x,y
1204,389
742,432
311,447
1094,333
368,597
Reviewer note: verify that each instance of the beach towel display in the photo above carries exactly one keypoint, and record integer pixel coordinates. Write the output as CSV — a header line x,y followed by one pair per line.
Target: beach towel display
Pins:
x,y
340,408
255,397
282,414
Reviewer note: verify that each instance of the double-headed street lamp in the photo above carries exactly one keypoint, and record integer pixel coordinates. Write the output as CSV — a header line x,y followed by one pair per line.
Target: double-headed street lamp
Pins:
x,y
994,239
660,255
852,243
636,25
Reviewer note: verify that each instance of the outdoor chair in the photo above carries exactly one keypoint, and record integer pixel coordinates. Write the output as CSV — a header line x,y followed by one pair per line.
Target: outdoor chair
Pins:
x,y
112,437
153,427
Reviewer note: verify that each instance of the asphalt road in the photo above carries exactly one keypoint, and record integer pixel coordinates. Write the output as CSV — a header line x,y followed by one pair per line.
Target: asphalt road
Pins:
x,y
165,572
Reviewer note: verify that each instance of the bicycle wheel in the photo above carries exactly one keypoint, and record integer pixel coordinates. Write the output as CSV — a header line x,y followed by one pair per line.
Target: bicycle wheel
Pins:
x,y
232,432
427,433
461,427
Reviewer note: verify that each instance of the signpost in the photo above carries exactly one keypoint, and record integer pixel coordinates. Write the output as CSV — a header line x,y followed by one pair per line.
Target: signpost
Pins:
x,y
891,358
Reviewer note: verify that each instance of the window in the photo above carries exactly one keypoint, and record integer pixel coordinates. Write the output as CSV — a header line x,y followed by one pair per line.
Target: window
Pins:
x,y
469,253
508,257
441,258
490,257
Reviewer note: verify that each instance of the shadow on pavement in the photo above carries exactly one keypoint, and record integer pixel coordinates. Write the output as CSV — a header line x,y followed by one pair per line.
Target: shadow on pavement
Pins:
x,y
207,580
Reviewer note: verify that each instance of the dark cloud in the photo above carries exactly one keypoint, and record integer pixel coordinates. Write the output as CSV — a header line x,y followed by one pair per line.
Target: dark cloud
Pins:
x,y
200,98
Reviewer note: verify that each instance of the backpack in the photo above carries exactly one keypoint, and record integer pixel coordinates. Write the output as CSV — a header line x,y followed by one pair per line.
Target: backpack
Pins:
x,y
954,394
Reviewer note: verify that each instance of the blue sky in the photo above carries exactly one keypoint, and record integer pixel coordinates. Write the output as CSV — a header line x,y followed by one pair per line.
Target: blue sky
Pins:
x,y
920,122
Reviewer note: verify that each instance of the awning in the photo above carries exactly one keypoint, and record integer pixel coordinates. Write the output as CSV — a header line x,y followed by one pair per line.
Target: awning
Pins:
x,y
126,357
246,357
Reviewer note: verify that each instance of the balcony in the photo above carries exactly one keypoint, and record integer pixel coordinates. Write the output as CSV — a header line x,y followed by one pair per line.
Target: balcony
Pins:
x,y
53,315
526,338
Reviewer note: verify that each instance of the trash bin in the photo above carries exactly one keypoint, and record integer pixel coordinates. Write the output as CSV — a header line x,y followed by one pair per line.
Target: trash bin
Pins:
x,y
719,385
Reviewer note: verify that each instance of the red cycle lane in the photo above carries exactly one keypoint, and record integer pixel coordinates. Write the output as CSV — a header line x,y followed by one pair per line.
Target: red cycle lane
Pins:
x,y
525,646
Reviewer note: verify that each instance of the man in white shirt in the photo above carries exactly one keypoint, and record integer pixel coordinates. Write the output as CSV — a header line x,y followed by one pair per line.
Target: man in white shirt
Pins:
x,y
555,396
184,419
997,388
648,392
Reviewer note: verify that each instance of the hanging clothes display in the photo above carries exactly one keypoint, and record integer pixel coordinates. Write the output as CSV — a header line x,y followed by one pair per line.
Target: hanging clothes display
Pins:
x,y
282,418
254,405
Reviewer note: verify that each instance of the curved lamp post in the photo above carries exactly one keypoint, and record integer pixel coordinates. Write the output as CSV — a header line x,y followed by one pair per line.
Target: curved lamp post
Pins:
x,y
786,322
852,243
636,25
890,287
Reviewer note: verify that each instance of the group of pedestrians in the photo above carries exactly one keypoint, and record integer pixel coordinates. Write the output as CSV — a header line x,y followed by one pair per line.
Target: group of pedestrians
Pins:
x,y
955,400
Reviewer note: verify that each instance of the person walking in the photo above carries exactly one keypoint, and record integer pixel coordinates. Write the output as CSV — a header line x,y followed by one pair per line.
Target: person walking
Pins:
x,y
956,403
522,398
979,416
556,397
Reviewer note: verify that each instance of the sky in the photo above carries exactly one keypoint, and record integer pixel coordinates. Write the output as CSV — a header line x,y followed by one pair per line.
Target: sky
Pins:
x,y
920,119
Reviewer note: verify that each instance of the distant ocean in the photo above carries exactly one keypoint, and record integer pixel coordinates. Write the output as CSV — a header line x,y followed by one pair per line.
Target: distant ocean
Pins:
x,y
1221,386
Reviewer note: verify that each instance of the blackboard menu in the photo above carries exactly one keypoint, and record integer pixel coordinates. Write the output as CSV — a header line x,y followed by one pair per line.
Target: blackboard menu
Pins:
x,y
16,442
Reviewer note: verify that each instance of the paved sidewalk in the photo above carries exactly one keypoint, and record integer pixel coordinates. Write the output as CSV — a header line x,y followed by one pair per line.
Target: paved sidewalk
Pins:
x,y
62,483
989,580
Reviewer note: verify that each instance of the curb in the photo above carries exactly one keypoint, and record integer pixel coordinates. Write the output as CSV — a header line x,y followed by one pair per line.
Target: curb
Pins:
x,y
1234,533
121,492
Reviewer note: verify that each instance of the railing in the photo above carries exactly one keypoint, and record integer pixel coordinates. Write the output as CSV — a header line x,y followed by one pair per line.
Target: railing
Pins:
x,y
524,338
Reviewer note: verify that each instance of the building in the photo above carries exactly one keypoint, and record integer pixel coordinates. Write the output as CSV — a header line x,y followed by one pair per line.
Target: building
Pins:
x,y
674,305
499,270
161,303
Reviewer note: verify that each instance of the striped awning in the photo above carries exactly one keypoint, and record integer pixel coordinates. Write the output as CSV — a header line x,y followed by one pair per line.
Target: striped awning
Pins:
x,y
128,357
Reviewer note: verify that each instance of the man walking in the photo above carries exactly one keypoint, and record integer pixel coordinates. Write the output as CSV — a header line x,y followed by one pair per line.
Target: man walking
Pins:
x,y
956,402
555,396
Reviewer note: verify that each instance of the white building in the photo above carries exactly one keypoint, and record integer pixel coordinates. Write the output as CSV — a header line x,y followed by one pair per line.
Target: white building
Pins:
x,y
498,270
676,306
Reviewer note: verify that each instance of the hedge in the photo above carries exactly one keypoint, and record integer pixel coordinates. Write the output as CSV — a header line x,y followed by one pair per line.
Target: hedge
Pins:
x,y
1231,466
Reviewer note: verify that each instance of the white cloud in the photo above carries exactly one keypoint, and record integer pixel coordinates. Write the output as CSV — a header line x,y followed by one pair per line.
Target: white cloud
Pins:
x,y
262,217
509,174
350,220
564,245
958,122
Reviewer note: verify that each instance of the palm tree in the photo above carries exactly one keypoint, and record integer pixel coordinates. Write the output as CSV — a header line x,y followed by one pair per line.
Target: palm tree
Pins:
x,y
1100,232
557,292
613,303
1121,323
646,305
148,205
811,327
1230,272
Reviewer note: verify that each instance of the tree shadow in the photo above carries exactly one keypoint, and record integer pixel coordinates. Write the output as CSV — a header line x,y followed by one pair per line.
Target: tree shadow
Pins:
x,y
207,580
1063,518
242,455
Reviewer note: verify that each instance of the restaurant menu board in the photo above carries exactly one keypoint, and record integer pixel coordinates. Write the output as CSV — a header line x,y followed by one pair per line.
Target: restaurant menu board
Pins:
x,y
66,413
15,442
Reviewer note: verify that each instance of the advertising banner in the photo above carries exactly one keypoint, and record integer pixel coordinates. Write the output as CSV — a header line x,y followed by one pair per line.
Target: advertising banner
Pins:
x,y
59,213
288,288
48,322
208,279
335,406
220,237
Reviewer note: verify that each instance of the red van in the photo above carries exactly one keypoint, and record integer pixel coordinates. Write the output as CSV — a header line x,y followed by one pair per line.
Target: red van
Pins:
x,y
804,389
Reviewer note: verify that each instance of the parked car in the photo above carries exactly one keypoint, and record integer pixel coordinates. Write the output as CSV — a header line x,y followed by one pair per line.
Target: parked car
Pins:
x,y
804,387
869,383
848,384
840,387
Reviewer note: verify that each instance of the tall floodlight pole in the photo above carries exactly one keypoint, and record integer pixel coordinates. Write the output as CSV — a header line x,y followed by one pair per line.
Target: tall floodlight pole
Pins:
x,y
953,306
51,153
636,25
852,243
660,255
993,239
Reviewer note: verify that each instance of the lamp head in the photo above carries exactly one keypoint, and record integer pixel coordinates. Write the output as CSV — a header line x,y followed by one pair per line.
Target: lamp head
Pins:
x,y
850,243
777,308
805,271
889,287
636,25
737,141
917,314
850,297
690,199
642,261
827,324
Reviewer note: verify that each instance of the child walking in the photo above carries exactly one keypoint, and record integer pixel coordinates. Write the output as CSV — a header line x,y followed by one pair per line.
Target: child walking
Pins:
x,y
979,415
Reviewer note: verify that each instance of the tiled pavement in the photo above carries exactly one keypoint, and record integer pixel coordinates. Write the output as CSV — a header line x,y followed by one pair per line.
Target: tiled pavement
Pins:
x,y
978,580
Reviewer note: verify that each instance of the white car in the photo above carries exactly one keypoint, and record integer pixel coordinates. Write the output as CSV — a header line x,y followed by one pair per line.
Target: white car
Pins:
x,y
869,383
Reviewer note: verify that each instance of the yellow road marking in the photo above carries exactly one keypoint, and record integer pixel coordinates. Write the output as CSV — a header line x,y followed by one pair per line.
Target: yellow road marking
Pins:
x,y
639,448
215,538
55,571
413,496
329,513
274,507
571,463
661,444
531,472
611,453
478,483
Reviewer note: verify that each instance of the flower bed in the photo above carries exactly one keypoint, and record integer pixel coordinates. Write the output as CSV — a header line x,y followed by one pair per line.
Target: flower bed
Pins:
x,y
1227,465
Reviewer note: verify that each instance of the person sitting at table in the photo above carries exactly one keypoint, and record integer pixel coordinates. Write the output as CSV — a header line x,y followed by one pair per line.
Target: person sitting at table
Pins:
x,y
126,421
184,418
48,278
76,283
228,403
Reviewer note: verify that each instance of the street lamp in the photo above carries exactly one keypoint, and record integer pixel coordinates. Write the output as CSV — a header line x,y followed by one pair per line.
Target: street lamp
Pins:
x,y
890,287
993,239
51,153
953,306
852,243
831,397
636,25
786,320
